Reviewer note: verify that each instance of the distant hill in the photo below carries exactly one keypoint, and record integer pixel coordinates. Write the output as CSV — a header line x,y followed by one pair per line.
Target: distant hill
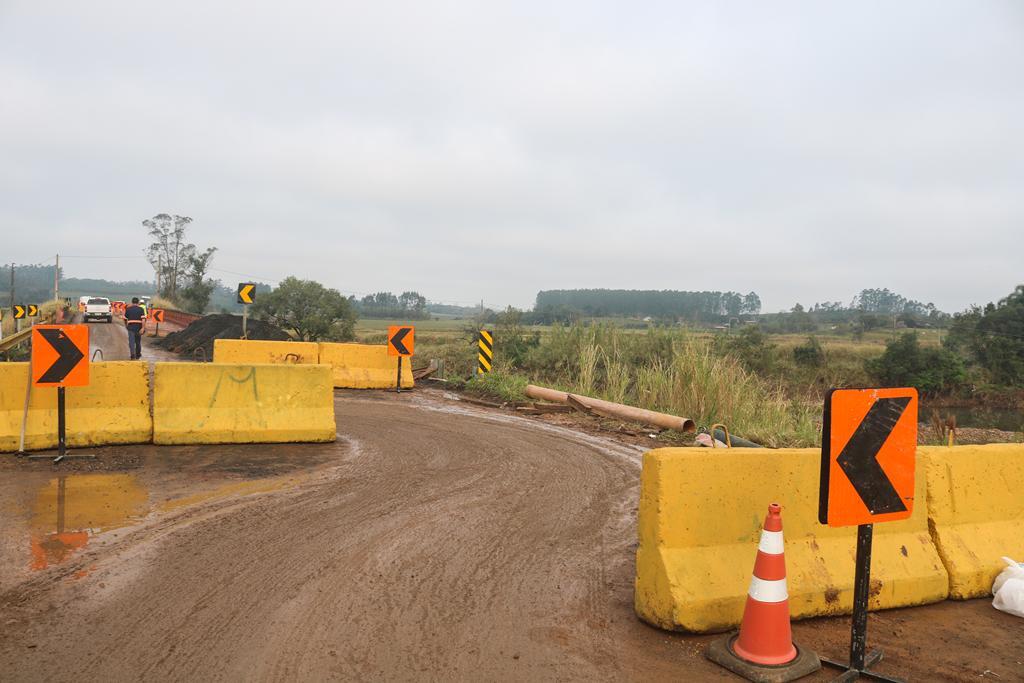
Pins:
x,y
34,283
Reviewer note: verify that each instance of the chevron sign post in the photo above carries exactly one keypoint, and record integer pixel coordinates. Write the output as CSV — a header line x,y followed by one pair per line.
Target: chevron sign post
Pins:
x,y
246,297
868,451
60,358
401,343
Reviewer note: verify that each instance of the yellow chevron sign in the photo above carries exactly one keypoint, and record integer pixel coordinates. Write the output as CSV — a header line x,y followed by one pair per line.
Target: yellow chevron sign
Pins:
x,y
246,293
33,310
19,311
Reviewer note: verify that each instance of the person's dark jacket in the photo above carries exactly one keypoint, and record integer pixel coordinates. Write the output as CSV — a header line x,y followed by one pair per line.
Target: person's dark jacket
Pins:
x,y
134,316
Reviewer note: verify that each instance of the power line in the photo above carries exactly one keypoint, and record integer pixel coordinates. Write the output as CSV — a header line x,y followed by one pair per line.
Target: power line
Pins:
x,y
251,276
246,275
126,258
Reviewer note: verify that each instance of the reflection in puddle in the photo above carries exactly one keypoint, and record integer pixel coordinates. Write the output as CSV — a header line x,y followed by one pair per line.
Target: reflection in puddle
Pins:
x,y
70,509
241,488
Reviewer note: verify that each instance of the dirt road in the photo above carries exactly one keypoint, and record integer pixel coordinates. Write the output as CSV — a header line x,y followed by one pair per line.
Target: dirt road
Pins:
x,y
431,542
112,340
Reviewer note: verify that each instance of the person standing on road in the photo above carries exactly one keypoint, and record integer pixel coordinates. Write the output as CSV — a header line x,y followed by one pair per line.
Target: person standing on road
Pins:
x,y
134,319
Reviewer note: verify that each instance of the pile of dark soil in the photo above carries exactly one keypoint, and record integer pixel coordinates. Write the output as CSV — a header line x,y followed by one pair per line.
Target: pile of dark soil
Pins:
x,y
201,333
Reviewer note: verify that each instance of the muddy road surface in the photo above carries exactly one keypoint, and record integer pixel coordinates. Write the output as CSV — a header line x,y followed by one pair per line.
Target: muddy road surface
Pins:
x,y
432,541
111,339
433,545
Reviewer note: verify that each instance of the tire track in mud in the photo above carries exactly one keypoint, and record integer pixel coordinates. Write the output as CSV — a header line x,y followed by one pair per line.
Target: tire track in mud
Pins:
x,y
448,544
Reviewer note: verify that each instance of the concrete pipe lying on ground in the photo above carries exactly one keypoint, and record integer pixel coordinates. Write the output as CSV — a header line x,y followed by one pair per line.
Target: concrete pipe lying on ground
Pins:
x,y
617,410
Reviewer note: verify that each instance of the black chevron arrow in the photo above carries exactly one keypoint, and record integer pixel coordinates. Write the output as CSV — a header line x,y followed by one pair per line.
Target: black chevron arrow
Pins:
x,y
859,457
396,340
67,359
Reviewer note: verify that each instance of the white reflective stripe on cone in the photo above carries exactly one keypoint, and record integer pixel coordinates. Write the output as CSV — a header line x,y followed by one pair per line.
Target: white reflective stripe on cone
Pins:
x,y
768,591
771,543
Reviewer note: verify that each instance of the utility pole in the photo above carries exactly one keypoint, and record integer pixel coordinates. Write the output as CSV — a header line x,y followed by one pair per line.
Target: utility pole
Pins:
x,y
56,280
159,269
17,323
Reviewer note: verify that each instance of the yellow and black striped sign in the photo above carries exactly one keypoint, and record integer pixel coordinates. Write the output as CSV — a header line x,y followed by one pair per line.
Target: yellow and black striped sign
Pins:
x,y
19,311
33,310
485,354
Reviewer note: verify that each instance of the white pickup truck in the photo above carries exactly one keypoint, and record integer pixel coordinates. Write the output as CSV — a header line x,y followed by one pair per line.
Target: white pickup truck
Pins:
x,y
98,308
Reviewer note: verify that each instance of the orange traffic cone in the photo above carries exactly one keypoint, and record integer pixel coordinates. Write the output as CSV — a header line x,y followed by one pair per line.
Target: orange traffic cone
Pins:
x,y
764,650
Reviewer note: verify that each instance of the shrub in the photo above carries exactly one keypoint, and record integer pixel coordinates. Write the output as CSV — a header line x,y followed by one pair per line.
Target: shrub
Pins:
x,y
308,309
751,347
511,341
810,354
994,336
906,363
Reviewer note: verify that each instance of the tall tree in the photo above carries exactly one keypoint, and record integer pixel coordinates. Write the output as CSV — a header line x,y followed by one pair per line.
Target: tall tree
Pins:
x,y
170,250
413,302
751,304
195,295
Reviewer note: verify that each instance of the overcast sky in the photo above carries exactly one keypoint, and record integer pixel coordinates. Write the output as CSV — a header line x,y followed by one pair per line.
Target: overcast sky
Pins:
x,y
803,150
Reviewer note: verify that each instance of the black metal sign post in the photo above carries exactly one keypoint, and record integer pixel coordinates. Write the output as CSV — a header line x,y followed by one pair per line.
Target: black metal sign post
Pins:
x,y
861,586
860,661
62,430
61,426
398,385
55,349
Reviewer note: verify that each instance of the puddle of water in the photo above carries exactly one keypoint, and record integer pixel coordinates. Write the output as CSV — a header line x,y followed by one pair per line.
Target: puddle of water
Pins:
x,y
48,520
69,510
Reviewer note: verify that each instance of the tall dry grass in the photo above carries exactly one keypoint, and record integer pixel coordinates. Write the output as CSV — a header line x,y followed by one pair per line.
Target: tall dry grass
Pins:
x,y
674,372
161,302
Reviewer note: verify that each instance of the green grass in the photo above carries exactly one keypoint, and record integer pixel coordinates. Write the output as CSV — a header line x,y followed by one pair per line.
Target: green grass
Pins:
x,y
764,394
697,373
372,327
503,386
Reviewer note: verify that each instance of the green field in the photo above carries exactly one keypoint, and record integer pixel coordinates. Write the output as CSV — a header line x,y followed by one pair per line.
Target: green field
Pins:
x,y
766,393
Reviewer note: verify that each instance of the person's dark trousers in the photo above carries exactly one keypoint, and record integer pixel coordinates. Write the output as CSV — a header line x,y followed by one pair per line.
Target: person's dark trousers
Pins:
x,y
135,341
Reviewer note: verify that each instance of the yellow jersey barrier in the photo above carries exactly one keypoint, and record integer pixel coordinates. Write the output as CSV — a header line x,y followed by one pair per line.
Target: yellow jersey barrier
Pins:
x,y
700,519
364,366
976,511
245,352
112,409
197,403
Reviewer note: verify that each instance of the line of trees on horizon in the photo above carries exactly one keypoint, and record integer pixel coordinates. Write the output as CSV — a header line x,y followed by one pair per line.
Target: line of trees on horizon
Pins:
x,y
409,305
708,306
871,308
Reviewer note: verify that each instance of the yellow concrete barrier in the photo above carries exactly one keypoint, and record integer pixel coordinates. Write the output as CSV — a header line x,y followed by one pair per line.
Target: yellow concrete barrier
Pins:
x,y
700,519
112,409
976,512
364,366
213,403
247,351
